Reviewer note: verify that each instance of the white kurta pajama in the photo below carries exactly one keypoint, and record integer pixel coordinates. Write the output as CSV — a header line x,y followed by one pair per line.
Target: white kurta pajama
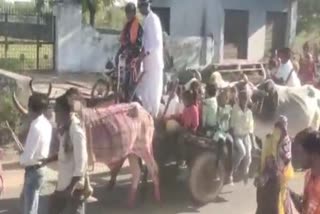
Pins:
x,y
150,87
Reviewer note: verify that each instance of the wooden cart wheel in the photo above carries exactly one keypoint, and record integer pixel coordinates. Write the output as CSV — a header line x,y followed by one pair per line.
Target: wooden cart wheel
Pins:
x,y
100,89
206,177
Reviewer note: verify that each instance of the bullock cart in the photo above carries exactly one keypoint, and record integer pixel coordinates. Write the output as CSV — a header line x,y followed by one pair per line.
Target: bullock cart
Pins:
x,y
203,163
231,70
208,162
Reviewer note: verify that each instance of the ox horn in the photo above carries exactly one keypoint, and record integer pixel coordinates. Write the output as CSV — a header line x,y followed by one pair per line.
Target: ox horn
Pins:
x,y
49,90
18,105
31,86
33,91
264,73
197,75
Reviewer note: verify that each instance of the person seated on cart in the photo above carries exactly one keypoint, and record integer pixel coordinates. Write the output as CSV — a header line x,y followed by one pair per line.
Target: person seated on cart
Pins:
x,y
209,111
188,120
222,134
131,45
241,129
183,125
170,104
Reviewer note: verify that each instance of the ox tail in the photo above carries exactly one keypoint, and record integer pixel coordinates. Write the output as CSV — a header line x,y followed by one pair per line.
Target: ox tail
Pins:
x,y
91,156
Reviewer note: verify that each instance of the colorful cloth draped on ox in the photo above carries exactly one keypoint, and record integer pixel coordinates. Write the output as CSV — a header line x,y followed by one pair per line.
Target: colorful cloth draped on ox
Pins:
x,y
311,197
116,131
276,169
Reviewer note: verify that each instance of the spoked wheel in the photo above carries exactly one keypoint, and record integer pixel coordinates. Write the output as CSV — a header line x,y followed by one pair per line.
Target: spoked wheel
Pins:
x,y
100,89
206,178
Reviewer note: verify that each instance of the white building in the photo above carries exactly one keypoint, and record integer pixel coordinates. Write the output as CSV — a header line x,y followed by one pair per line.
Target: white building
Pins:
x,y
244,29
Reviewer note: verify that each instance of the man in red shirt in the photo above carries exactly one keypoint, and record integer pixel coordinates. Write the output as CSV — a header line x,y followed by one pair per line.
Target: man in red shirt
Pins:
x,y
309,151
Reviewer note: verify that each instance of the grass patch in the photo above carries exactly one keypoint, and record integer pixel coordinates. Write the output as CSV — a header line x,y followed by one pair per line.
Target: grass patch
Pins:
x,y
22,57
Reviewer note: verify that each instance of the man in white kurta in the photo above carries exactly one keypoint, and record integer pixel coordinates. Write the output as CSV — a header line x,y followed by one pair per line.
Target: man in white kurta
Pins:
x,y
150,87
286,72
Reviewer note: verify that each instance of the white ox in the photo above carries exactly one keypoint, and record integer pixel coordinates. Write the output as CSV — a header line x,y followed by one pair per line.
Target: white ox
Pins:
x,y
299,104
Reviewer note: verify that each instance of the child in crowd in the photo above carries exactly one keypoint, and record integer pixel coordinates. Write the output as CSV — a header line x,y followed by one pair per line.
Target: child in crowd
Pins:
x,y
171,103
209,110
223,126
188,124
189,119
241,128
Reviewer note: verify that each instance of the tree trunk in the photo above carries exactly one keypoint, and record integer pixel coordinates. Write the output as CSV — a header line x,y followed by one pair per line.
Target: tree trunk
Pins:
x,y
92,12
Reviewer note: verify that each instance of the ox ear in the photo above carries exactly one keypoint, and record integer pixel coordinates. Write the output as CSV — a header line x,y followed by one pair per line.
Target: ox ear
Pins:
x,y
270,87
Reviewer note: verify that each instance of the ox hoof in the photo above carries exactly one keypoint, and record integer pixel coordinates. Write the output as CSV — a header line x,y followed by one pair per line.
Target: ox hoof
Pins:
x,y
132,199
111,185
157,194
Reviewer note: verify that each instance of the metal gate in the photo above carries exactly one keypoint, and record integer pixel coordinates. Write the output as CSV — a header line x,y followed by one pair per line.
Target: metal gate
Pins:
x,y
27,42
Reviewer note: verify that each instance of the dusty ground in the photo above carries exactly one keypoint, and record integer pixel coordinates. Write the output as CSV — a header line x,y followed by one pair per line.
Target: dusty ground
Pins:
x,y
238,199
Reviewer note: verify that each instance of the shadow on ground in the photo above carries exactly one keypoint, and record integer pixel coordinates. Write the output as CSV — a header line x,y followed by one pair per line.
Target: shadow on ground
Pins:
x,y
175,198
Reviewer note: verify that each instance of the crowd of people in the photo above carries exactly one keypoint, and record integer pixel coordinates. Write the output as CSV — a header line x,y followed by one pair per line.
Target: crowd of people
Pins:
x,y
285,69
225,116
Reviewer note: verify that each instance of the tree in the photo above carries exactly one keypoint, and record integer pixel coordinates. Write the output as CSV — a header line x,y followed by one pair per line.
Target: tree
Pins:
x,y
92,6
309,15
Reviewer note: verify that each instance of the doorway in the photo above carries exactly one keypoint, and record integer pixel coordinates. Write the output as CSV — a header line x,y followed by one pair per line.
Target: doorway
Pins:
x,y
236,26
276,30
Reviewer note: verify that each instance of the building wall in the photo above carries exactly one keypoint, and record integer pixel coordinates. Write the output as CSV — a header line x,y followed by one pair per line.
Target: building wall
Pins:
x,y
186,19
81,48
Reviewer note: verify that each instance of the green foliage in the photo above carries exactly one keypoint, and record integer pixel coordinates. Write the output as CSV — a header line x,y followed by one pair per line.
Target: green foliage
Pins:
x,y
106,14
113,18
38,6
309,15
10,114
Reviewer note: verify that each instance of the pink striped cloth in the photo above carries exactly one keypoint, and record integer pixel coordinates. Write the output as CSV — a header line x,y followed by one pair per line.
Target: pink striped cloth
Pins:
x,y
116,131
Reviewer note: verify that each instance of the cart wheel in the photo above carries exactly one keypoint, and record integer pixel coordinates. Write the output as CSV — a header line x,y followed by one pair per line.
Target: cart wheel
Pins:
x,y
206,178
100,89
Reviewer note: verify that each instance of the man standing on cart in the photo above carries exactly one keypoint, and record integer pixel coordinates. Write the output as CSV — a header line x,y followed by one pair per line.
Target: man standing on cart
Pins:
x,y
131,46
149,89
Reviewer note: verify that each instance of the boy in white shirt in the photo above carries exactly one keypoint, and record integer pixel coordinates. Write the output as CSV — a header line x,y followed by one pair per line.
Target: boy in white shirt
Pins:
x,y
36,148
286,74
171,102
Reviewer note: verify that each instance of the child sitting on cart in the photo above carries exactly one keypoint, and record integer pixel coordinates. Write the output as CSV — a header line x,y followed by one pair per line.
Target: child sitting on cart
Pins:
x,y
189,118
222,134
209,111
184,124
171,104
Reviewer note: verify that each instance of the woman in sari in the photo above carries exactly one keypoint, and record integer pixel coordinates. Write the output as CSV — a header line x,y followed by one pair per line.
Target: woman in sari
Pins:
x,y
276,170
